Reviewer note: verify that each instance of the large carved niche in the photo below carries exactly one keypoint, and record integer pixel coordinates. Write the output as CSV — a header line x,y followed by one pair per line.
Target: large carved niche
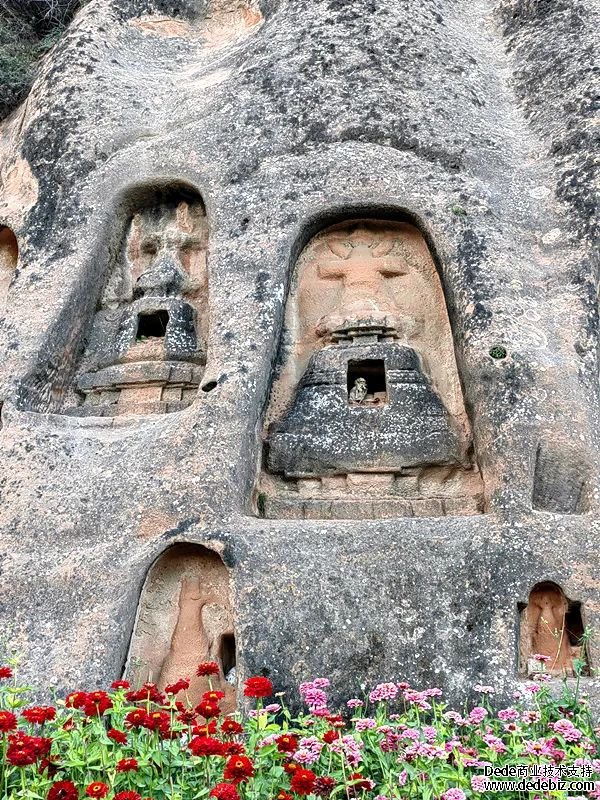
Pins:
x,y
551,625
146,350
185,617
366,417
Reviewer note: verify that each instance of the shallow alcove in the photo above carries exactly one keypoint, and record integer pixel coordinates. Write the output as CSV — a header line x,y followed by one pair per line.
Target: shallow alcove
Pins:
x,y
366,416
9,256
551,625
560,480
185,617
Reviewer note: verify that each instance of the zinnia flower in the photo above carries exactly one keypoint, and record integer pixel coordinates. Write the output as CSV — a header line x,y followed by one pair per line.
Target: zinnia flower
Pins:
x,y
118,685
224,791
5,672
180,686
127,796
127,765
37,715
453,794
324,786
63,790
207,709
117,736
206,746
207,668
238,769
8,721
286,743
97,789
303,781
231,726
258,686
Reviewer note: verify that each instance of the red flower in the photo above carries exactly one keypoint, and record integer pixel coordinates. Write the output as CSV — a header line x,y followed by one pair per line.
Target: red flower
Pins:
x,y
5,672
287,743
206,730
37,715
76,699
224,791
283,796
303,781
63,790
48,765
258,687
207,668
231,726
127,765
97,789
117,736
187,716
180,686
158,721
361,781
96,704
324,786
330,736
238,769
290,767
148,693
136,718
127,796
214,697
8,721
21,755
207,709
234,749
115,685
206,746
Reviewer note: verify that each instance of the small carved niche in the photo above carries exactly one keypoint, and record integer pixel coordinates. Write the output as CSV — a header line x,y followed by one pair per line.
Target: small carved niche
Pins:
x,y
551,625
366,417
146,351
185,617
9,256
561,480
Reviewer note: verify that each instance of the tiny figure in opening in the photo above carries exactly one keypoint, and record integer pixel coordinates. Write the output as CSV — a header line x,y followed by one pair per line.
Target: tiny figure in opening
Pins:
x,y
359,391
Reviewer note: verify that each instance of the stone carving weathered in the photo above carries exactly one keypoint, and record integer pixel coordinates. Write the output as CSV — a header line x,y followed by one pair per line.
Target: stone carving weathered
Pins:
x,y
147,347
366,418
551,626
184,618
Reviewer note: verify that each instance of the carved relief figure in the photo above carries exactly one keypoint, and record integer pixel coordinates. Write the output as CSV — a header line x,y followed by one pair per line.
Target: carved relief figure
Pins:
x,y
368,383
147,347
549,630
185,618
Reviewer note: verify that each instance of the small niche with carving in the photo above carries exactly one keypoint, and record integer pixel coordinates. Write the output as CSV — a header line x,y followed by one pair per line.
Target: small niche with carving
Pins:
x,y
9,256
552,626
366,382
146,349
185,617
366,417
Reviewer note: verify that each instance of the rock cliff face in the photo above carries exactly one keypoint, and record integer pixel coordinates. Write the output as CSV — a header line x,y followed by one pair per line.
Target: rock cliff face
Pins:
x,y
163,191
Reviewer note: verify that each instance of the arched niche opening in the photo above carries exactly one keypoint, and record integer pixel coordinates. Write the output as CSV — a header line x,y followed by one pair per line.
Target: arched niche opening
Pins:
x,y
145,351
9,256
551,625
185,617
366,416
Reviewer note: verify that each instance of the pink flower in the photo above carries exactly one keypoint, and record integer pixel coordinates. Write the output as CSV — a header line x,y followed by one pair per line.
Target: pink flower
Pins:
x,y
453,794
542,658
483,689
383,691
402,778
533,688
479,783
364,724
508,715
477,715
355,703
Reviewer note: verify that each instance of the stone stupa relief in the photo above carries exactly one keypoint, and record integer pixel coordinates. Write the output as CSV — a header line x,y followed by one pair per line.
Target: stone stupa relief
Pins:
x,y
366,417
551,626
184,618
9,256
147,347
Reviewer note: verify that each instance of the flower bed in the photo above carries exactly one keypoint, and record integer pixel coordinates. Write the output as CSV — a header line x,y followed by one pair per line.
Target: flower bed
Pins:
x,y
396,742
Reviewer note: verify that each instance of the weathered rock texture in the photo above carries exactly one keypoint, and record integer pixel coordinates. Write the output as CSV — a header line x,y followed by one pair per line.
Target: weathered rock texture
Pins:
x,y
277,119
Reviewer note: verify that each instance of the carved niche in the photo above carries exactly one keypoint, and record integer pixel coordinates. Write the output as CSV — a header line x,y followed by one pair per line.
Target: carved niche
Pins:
x,y
185,617
147,348
552,626
9,256
366,416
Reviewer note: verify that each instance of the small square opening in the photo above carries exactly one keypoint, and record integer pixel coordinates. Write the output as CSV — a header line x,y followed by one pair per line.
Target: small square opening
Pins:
x,y
366,382
152,325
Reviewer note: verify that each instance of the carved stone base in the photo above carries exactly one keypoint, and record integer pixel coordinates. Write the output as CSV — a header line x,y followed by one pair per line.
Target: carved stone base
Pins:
x,y
427,492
